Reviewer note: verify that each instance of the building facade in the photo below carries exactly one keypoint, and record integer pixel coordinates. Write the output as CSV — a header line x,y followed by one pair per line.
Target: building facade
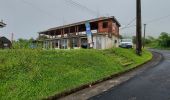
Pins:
x,y
104,34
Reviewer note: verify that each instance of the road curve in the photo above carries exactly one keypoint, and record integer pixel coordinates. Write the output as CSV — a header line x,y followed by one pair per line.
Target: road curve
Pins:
x,y
152,84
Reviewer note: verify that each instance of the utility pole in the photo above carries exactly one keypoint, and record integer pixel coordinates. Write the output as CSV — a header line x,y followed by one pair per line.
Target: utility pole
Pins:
x,y
138,28
144,35
12,38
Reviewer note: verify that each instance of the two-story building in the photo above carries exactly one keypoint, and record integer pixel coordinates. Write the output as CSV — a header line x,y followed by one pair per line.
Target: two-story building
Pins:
x,y
104,34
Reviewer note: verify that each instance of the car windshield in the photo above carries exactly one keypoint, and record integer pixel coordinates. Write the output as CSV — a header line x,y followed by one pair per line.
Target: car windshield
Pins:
x,y
126,40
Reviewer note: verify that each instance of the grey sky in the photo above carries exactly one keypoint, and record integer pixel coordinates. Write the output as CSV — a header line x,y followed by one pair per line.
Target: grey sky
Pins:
x,y
25,19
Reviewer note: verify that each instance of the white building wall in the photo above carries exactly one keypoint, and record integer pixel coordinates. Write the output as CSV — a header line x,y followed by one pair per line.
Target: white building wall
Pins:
x,y
104,42
99,42
109,42
117,41
94,42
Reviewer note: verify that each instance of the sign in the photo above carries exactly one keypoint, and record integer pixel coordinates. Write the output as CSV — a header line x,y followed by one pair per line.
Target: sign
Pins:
x,y
89,34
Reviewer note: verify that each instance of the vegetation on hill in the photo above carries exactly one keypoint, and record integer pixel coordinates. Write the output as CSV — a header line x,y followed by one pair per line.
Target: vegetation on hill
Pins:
x,y
162,42
35,74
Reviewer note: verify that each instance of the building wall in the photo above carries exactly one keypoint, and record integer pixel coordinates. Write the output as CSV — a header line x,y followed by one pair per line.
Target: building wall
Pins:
x,y
100,27
104,42
112,28
99,42
115,29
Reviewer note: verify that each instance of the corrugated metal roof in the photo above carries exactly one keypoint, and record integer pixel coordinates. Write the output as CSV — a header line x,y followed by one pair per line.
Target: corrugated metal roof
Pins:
x,y
83,22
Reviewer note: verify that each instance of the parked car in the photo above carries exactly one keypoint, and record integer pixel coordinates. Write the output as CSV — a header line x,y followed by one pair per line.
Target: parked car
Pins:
x,y
126,43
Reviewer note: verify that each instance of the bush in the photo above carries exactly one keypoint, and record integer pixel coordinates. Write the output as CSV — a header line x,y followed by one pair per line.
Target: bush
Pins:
x,y
164,40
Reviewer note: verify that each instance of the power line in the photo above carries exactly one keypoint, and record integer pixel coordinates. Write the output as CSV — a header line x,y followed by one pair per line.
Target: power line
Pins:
x,y
128,25
38,8
151,21
131,22
76,4
82,6
158,19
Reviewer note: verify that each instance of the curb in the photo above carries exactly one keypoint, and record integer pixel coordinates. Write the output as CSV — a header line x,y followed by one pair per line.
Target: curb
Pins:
x,y
161,56
68,92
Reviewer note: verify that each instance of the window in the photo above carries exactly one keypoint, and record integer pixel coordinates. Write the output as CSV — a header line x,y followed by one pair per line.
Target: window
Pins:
x,y
57,43
64,44
115,41
105,24
75,42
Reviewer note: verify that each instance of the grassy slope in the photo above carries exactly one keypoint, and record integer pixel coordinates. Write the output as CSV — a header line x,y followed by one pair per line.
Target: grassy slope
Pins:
x,y
33,74
160,48
155,45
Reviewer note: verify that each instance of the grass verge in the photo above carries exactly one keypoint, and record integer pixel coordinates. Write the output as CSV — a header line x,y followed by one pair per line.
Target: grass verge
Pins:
x,y
35,74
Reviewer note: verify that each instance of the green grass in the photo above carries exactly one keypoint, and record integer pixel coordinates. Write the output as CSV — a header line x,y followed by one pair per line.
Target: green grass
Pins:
x,y
155,45
35,74
160,48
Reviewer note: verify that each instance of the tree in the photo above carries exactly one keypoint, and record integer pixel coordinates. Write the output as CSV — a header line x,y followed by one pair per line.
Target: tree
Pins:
x,y
22,43
164,40
134,39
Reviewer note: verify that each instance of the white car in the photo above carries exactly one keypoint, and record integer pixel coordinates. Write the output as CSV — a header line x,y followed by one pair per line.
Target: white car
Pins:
x,y
126,43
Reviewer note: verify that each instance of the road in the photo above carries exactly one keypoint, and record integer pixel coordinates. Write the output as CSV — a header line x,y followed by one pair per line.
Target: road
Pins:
x,y
152,84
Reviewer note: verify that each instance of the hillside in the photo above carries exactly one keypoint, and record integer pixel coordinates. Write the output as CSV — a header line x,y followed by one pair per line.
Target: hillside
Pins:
x,y
34,74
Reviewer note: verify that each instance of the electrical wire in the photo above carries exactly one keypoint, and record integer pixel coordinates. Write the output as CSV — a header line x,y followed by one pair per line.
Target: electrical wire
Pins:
x,y
149,22
76,4
128,27
82,6
158,19
129,24
39,9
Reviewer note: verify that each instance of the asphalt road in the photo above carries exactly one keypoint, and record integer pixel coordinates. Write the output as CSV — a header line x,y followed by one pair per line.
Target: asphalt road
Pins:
x,y
152,84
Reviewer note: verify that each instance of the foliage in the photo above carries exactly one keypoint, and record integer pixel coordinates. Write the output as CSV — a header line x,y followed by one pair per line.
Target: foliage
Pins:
x,y
134,39
164,40
27,44
22,43
35,74
149,41
42,37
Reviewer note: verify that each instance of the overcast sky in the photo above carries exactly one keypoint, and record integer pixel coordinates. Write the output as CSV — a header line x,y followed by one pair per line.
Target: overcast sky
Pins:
x,y
25,18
